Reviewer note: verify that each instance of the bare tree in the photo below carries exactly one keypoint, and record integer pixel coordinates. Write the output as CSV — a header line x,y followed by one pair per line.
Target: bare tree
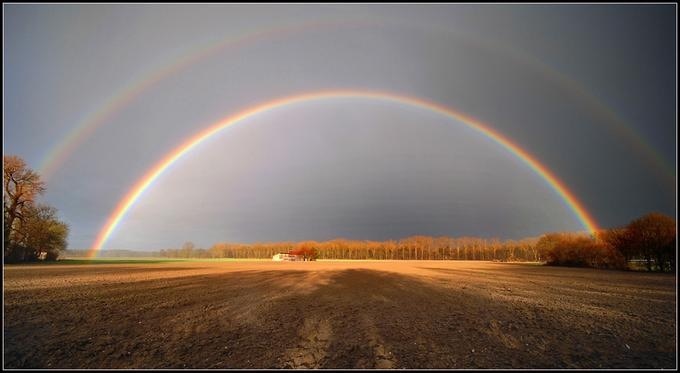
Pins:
x,y
21,186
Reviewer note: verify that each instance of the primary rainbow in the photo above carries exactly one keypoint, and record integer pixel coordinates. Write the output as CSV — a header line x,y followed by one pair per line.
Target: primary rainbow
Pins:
x,y
157,170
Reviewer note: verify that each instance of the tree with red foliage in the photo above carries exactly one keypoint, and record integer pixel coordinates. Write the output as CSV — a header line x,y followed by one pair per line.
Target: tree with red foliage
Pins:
x,y
306,250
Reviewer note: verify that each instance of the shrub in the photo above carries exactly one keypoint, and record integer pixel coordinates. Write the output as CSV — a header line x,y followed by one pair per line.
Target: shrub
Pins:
x,y
562,249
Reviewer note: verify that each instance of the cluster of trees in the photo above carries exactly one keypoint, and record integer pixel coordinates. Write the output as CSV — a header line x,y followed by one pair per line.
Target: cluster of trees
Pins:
x,y
578,250
31,230
650,239
410,248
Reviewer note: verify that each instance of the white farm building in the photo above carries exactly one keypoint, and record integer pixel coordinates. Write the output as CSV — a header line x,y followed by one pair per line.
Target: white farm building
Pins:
x,y
287,257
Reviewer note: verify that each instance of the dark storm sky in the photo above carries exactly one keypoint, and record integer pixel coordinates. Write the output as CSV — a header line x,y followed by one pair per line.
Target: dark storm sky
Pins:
x,y
584,88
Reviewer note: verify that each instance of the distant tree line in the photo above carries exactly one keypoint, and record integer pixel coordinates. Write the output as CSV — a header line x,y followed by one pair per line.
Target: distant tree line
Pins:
x,y
650,239
31,230
410,248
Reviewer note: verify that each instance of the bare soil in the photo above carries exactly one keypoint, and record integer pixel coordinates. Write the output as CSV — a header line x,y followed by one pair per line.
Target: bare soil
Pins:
x,y
415,314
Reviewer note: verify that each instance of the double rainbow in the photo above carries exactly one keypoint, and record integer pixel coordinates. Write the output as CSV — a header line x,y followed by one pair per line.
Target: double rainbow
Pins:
x,y
169,159
60,152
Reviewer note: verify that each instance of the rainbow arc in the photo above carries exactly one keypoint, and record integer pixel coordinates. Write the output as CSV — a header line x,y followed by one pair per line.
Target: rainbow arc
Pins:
x,y
154,173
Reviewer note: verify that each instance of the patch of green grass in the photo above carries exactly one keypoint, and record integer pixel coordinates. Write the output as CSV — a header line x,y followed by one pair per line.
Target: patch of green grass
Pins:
x,y
140,260
102,261
223,259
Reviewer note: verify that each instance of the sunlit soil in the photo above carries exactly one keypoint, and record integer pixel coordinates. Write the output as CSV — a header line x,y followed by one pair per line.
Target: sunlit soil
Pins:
x,y
263,314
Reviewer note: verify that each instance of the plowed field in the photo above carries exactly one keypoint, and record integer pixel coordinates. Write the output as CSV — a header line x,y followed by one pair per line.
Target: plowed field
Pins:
x,y
414,314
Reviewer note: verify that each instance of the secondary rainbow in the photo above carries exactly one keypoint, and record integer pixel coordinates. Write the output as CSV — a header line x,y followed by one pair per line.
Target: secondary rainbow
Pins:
x,y
57,155
126,203
60,152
